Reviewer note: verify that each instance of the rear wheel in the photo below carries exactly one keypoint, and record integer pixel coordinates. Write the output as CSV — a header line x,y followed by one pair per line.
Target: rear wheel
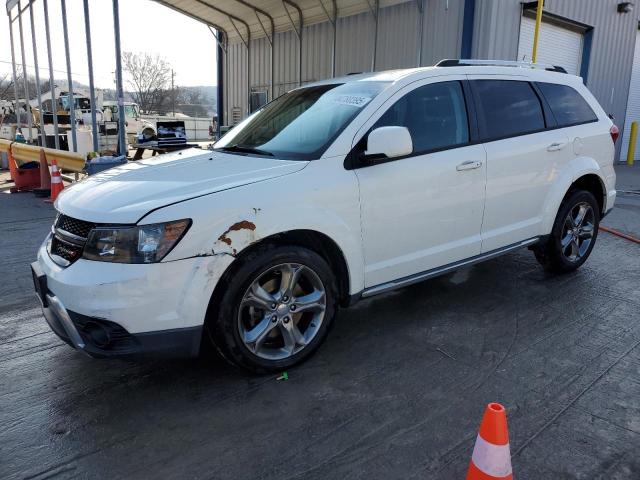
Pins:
x,y
276,310
574,234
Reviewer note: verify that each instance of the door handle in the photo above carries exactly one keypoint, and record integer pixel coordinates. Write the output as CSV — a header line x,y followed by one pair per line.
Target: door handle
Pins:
x,y
469,165
554,147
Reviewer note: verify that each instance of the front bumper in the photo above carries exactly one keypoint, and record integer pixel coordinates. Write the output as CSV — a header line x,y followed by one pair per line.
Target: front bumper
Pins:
x,y
107,309
103,338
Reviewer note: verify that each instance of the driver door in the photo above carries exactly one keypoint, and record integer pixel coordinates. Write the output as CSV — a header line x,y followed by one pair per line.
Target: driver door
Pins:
x,y
424,210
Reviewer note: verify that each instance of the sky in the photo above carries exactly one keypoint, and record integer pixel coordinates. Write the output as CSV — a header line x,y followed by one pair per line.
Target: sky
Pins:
x,y
145,26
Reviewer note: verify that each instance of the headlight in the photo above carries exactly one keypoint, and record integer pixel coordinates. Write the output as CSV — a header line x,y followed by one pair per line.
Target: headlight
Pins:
x,y
140,244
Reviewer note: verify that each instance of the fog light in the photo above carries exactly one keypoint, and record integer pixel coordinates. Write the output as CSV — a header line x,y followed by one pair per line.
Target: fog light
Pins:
x,y
99,335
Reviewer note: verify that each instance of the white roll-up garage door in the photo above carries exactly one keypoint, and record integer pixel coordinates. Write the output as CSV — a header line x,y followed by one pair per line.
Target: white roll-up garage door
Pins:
x,y
556,45
633,104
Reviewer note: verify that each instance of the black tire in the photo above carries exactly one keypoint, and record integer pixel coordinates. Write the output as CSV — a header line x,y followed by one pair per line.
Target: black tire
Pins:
x,y
551,255
223,319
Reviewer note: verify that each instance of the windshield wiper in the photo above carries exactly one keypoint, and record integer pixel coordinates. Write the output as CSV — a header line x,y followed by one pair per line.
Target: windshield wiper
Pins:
x,y
243,149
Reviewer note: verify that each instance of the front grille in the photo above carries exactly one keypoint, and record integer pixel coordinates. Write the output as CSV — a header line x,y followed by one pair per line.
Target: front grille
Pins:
x,y
69,251
69,237
74,226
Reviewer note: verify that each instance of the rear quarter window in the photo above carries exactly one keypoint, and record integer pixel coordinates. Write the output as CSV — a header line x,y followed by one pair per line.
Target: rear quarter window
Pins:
x,y
567,105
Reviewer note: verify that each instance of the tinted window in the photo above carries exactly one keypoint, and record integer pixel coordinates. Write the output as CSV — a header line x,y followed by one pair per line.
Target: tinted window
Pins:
x,y
567,104
435,115
507,108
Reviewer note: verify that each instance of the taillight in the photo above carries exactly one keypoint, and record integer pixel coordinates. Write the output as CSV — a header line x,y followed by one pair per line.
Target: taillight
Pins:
x,y
615,133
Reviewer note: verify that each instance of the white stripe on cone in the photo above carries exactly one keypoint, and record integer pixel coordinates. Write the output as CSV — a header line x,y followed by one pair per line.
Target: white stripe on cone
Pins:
x,y
494,460
55,174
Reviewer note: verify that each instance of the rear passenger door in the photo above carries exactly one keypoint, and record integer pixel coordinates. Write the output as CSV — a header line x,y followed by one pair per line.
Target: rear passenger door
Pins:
x,y
524,155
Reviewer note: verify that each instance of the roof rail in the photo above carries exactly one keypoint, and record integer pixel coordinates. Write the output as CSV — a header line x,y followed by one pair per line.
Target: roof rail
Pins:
x,y
498,63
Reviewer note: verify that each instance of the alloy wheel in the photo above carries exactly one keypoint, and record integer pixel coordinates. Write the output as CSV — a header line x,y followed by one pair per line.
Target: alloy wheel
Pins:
x,y
577,232
282,311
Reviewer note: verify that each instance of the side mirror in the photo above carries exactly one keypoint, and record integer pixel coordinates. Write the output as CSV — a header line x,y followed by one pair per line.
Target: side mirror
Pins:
x,y
389,142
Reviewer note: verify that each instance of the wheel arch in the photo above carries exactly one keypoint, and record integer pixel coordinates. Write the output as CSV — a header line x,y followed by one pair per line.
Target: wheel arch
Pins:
x,y
591,183
583,173
316,241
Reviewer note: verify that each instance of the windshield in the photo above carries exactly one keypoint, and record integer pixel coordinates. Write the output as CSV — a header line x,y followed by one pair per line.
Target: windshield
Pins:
x,y
81,103
130,111
301,124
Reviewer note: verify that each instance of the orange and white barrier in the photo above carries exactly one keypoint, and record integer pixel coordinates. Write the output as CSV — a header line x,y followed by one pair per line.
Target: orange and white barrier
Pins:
x,y
73,162
491,459
45,176
56,182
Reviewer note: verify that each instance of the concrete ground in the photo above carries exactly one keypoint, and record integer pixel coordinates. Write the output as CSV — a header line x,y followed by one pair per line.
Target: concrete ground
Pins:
x,y
397,391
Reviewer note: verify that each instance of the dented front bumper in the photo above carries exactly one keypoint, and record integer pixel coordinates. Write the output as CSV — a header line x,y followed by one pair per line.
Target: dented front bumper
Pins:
x,y
147,302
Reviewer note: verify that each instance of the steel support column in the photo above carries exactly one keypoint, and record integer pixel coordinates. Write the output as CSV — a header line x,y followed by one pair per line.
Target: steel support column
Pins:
x,y
92,90
333,20
54,101
25,79
222,54
375,11
247,44
420,5
226,77
72,102
35,64
122,141
298,32
15,76
335,38
221,37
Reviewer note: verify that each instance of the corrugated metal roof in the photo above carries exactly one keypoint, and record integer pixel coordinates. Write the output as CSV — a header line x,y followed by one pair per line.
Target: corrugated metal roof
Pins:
x,y
222,14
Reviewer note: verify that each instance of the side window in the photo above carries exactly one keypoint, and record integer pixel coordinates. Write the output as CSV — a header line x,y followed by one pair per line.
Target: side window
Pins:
x,y
507,108
434,114
567,104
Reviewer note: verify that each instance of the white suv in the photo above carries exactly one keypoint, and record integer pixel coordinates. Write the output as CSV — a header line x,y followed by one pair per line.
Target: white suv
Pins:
x,y
336,191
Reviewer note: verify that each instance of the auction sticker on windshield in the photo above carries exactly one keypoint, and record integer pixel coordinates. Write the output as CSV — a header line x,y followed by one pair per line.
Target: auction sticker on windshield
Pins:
x,y
352,100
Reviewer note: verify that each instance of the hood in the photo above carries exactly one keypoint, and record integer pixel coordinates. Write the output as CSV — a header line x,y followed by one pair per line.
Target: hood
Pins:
x,y
125,194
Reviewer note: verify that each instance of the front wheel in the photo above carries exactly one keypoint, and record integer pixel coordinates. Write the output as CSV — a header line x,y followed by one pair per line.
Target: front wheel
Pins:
x,y
276,310
574,234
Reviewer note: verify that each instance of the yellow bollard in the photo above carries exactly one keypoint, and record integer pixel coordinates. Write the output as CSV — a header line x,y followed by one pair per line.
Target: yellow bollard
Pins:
x,y
633,138
536,31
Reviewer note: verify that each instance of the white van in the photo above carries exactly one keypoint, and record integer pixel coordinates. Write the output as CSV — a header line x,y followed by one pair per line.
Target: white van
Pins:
x,y
335,191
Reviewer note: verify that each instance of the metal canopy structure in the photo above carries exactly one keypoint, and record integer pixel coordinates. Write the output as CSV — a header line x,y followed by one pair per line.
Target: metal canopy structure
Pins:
x,y
15,11
256,14
243,21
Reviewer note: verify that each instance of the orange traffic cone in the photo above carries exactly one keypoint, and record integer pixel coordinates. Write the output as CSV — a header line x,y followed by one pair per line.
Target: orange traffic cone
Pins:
x,y
56,182
491,459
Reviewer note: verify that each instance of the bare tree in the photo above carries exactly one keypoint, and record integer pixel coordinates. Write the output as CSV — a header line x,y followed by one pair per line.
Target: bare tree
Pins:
x,y
6,87
148,78
7,91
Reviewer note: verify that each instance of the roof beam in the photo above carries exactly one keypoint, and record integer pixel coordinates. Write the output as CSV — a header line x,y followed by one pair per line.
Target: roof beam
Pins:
x,y
209,23
258,11
300,18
